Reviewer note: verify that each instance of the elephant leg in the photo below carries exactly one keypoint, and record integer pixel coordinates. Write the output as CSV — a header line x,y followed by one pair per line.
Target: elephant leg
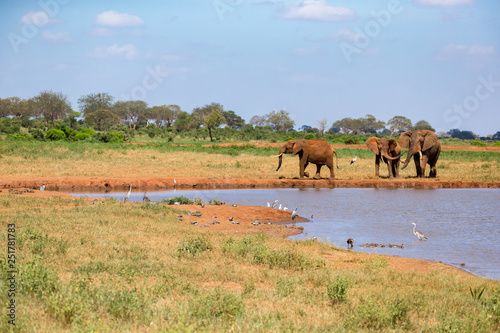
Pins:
x,y
303,171
433,172
332,173
389,168
396,169
424,164
377,165
416,159
318,171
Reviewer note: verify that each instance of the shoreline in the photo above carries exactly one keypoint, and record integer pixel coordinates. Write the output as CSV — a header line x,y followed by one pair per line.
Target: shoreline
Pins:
x,y
159,183
280,226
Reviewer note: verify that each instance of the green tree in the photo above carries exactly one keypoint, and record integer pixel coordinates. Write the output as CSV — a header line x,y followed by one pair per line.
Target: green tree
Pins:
x,y
93,102
211,116
185,122
257,120
399,124
51,105
134,112
423,125
280,120
102,119
347,125
233,120
370,124
163,115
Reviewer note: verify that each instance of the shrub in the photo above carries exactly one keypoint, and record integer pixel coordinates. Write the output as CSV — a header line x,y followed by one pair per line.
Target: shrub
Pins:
x,y
218,303
478,143
37,134
349,140
192,246
309,136
109,137
337,290
55,134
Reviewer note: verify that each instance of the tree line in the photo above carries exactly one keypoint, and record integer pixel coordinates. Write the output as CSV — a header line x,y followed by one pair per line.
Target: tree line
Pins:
x,y
99,111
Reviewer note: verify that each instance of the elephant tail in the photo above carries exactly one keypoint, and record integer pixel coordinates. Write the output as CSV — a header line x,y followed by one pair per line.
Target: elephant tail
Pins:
x,y
336,158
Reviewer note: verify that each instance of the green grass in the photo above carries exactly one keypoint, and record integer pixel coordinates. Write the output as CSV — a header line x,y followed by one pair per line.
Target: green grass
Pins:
x,y
139,269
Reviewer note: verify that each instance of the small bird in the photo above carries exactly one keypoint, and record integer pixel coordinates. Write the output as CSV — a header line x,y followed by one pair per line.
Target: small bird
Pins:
x,y
294,213
350,243
231,218
417,233
145,198
234,205
234,222
215,222
179,218
255,222
128,194
354,160
275,203
175,182
285,208
195,223
279,207
202,205
42,188
268,204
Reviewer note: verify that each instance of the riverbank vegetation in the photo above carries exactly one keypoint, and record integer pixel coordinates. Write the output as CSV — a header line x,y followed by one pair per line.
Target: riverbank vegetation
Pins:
x,y
114,267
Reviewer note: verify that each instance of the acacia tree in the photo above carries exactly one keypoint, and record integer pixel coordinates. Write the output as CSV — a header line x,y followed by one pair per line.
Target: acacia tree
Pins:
x,y
399,124
163,115
233,120
102,119
185,122
257,120
132,111
322,125
51,105
279,120
424,125
93,102
211,116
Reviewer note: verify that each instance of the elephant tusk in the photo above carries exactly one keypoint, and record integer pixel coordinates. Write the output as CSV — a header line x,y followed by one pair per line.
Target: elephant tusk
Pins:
x,y
277,155
420,153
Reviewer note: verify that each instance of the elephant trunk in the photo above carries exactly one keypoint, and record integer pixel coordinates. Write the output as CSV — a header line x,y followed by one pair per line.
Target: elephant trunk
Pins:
x,y
411,152
280,160
389,157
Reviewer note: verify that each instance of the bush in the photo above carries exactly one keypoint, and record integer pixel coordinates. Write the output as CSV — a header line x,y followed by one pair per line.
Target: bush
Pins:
x,y
55,134
192,246
349,140
218,303
478,143
309,136
109,137
337,290
37,134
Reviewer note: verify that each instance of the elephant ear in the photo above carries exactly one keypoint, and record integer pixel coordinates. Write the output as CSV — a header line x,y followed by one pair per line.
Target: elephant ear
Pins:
x,y
297,146
430,140
404,139
372,144
392,144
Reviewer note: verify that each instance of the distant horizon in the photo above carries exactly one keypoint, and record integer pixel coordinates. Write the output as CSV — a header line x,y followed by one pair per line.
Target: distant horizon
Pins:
x,y
430,60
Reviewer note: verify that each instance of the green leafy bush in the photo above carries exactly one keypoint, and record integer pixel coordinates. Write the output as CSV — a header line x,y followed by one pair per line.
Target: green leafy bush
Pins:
x,y
37,134
309,136
109,137
478,143
337,290
55,134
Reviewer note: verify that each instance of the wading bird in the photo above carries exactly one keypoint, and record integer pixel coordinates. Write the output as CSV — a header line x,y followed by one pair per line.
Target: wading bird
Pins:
x,y
268,204
128,194
350,242
275,203
145,198
42,188
354,160
417,233
294,213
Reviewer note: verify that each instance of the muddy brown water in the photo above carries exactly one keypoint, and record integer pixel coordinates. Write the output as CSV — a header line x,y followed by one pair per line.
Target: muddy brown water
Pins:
x,y
461,225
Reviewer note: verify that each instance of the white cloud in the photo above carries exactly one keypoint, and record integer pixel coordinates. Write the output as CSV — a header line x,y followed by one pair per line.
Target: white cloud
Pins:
x,y
56,37
127,51
444,3
316,10
39,18
112,18
465,52
344,35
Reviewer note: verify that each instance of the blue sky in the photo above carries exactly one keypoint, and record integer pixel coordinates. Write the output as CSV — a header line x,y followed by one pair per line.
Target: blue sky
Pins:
x,y
437,60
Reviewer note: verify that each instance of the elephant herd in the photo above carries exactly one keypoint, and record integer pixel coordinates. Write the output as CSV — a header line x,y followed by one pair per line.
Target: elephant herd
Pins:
x,y
422,145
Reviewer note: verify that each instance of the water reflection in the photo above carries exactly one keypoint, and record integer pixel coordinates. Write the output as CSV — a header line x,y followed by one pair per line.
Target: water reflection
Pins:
x,y
461,224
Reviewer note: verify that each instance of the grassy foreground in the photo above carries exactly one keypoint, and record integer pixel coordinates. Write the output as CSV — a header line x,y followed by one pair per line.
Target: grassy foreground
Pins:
x,y
54,159
114,267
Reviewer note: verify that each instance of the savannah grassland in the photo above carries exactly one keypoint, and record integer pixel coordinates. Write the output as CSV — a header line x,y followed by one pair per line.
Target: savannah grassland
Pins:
x,y
122,267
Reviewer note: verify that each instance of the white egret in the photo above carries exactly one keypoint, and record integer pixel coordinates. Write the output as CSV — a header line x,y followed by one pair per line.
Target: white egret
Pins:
x,y
128,194
417,233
